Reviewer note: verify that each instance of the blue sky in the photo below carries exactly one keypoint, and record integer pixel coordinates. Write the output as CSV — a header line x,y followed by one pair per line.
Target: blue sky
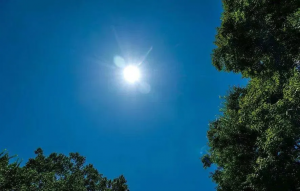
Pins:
x,y
60,89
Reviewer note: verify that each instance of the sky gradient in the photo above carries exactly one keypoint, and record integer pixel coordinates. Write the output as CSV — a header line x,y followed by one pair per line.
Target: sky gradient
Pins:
x,y
60,89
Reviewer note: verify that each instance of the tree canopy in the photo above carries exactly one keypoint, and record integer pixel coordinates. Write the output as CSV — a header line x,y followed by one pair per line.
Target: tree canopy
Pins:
x,y
255,142
55,172
258,37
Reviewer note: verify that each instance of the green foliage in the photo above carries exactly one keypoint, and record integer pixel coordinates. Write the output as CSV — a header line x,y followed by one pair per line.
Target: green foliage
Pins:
x,y
255,143
258,37
55,172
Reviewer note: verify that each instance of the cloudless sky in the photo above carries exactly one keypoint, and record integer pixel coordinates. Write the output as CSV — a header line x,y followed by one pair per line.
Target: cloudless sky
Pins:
x,y
60,89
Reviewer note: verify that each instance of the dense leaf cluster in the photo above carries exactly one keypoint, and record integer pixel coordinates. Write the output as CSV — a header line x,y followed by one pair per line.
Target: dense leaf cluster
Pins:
x,y
255,143
54,172
258,37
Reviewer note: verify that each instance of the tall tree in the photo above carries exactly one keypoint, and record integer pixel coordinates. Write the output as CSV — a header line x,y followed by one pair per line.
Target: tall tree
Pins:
x,y
258,37
55,172
255,142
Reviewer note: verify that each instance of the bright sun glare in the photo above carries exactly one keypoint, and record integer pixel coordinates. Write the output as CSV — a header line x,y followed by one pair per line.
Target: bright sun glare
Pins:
x,y
131,74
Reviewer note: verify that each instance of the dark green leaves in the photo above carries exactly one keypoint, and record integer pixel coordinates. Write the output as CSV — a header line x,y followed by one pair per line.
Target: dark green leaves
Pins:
x,y
55,172
258,37
255,142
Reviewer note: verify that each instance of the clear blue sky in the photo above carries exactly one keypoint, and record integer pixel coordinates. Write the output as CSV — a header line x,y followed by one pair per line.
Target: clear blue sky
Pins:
x,y
60,89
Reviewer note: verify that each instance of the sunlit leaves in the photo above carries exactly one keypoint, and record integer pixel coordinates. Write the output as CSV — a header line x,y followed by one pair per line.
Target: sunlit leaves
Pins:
x,y
55,172
255,31
258,135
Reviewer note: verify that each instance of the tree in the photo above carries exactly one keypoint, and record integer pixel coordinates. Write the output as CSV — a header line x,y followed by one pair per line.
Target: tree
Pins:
x,y
255,142
258,37
55,172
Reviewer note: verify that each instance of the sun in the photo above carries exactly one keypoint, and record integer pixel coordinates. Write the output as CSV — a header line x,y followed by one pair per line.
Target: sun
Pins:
x,y
131,74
